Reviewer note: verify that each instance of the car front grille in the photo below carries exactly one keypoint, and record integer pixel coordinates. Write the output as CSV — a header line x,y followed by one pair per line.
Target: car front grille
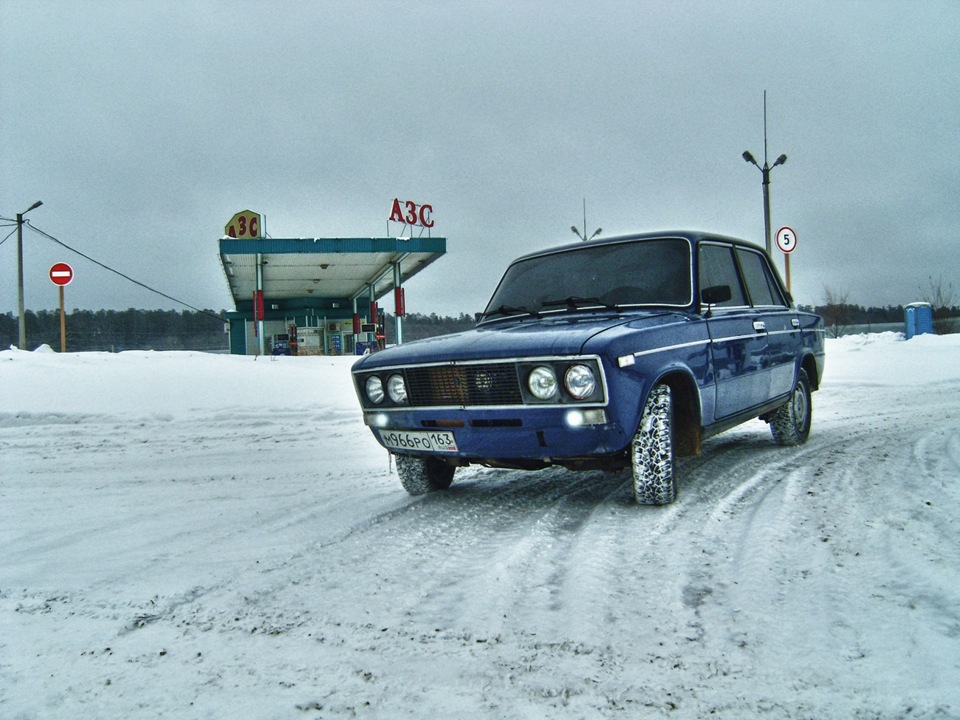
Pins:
x,y
460,385
496,383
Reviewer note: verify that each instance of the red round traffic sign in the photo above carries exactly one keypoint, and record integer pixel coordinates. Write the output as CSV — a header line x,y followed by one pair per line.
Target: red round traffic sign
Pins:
x,y
786,240
61,274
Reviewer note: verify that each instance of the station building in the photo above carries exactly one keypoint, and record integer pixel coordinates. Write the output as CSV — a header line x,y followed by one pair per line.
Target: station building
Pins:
x,y
316,296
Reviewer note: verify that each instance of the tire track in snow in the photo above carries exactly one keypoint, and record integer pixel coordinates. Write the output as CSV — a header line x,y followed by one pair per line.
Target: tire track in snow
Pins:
x,y
801,524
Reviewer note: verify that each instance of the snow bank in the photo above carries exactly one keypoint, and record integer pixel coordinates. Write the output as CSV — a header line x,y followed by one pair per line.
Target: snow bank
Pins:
x,y
207,536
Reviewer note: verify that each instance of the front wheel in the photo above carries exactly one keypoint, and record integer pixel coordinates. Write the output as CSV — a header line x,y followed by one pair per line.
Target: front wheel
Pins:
x,y
651,451
790,423
420,474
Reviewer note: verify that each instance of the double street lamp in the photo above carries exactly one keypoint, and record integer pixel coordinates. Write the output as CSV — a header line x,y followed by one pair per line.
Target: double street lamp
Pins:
x,y
23,322
765,170
766,191
576,231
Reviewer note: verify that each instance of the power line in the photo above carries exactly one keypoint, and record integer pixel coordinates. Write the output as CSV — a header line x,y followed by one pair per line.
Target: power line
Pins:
x,y
117,272
7,222
9,234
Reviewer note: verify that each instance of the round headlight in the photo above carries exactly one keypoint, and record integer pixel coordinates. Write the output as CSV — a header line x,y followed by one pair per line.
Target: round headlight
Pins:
x,y
397,389
375,389
580,381
542,382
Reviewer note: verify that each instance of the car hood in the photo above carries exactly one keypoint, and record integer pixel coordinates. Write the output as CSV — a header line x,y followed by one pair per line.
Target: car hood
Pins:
x,y
553,335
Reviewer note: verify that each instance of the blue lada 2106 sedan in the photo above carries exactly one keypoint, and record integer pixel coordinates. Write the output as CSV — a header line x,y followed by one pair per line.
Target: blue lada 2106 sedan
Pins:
x,y
618,353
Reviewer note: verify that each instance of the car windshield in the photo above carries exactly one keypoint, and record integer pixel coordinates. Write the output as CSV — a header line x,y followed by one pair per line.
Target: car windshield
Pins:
x,y
624,274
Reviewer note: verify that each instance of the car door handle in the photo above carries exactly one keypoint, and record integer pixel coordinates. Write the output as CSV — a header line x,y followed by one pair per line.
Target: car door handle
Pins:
x,y
795,322
759,326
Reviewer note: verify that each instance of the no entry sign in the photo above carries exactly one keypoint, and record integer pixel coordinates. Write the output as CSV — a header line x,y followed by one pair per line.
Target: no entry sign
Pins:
x,y
61,274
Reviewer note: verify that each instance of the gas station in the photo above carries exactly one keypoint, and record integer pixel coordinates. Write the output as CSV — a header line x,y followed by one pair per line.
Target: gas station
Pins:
x,y
316,296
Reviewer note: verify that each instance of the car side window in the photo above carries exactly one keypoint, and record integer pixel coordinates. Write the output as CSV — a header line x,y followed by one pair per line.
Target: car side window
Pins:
x,y
760,285
717,268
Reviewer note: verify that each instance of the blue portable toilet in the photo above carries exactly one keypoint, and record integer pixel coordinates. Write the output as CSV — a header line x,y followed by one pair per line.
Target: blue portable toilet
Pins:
x,y
918,318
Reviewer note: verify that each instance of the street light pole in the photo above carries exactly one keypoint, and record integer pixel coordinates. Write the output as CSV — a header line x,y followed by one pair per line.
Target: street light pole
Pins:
x,y
765,170
576,230
20,310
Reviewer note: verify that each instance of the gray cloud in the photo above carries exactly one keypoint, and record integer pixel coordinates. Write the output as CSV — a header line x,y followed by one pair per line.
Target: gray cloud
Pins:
x,y
143,126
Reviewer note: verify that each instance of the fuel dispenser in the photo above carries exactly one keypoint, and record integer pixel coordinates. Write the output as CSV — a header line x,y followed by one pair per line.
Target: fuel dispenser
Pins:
x,y
334,339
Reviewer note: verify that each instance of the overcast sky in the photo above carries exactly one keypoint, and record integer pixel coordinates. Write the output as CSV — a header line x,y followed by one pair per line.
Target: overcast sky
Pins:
x,y
144,126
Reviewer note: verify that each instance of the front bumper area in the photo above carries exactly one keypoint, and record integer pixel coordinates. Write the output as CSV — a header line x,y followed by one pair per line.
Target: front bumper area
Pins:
x,y
512,437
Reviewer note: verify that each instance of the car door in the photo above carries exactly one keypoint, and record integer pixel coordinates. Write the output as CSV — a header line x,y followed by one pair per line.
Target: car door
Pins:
x,y
738,337
781,324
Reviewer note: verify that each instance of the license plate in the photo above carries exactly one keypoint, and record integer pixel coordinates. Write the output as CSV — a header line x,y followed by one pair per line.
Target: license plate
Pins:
x,y
437,441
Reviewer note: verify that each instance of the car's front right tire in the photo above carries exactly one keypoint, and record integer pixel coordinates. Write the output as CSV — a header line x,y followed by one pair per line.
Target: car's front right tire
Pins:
x,y
420,474
651,451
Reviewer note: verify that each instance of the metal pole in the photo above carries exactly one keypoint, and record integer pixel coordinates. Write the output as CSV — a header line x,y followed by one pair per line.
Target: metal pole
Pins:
x,y
63,324
765,128
766,181
20,310
765,171
766,205
22,342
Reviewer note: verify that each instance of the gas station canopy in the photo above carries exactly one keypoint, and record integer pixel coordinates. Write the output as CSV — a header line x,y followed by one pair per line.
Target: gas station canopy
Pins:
x,y
312,272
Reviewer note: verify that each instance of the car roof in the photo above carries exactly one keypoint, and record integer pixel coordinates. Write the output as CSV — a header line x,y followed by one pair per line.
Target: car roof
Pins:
x,y
693,236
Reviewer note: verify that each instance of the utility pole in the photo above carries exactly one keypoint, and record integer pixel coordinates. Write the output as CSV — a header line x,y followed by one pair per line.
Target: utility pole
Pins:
x,y
20,311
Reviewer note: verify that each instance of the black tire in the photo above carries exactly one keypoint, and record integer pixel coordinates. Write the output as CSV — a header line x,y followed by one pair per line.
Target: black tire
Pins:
x,y
790,423
421,474
651,451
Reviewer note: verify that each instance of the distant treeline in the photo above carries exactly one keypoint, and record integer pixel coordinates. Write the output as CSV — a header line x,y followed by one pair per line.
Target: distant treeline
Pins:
x,y
417,326
840,317
117,330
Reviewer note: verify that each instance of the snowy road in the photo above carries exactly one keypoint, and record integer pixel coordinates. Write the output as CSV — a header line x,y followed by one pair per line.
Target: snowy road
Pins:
x,y
200,536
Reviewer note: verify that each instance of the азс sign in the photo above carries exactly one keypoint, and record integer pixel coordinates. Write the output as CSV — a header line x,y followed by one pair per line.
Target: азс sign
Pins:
x,y
245,224
412,214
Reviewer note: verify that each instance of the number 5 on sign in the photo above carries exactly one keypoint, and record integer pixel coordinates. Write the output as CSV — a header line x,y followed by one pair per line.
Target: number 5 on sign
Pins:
x,y
786,240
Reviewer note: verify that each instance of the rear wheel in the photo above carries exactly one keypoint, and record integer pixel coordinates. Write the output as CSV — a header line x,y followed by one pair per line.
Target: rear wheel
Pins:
x,y
421,474
651,451
790,423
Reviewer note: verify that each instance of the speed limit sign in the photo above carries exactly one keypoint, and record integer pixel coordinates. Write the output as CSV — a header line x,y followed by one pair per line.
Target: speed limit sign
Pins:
x,y
786,240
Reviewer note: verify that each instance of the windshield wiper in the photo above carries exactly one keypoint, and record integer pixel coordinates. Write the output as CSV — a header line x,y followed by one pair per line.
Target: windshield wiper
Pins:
x,y
573,302
510,310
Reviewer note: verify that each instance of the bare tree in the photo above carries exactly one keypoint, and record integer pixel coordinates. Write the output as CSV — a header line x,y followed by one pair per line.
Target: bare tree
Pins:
x,y
941,299
836,310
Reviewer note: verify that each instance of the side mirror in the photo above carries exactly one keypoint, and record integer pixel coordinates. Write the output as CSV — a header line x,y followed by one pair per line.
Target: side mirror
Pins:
x,y
715,295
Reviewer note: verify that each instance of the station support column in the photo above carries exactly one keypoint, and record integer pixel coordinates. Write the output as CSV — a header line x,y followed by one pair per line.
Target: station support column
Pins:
x,y
398,308
373,315
258,310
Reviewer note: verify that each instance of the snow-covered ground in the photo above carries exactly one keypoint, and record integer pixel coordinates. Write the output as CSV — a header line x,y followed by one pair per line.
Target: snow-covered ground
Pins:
x,y
203,536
